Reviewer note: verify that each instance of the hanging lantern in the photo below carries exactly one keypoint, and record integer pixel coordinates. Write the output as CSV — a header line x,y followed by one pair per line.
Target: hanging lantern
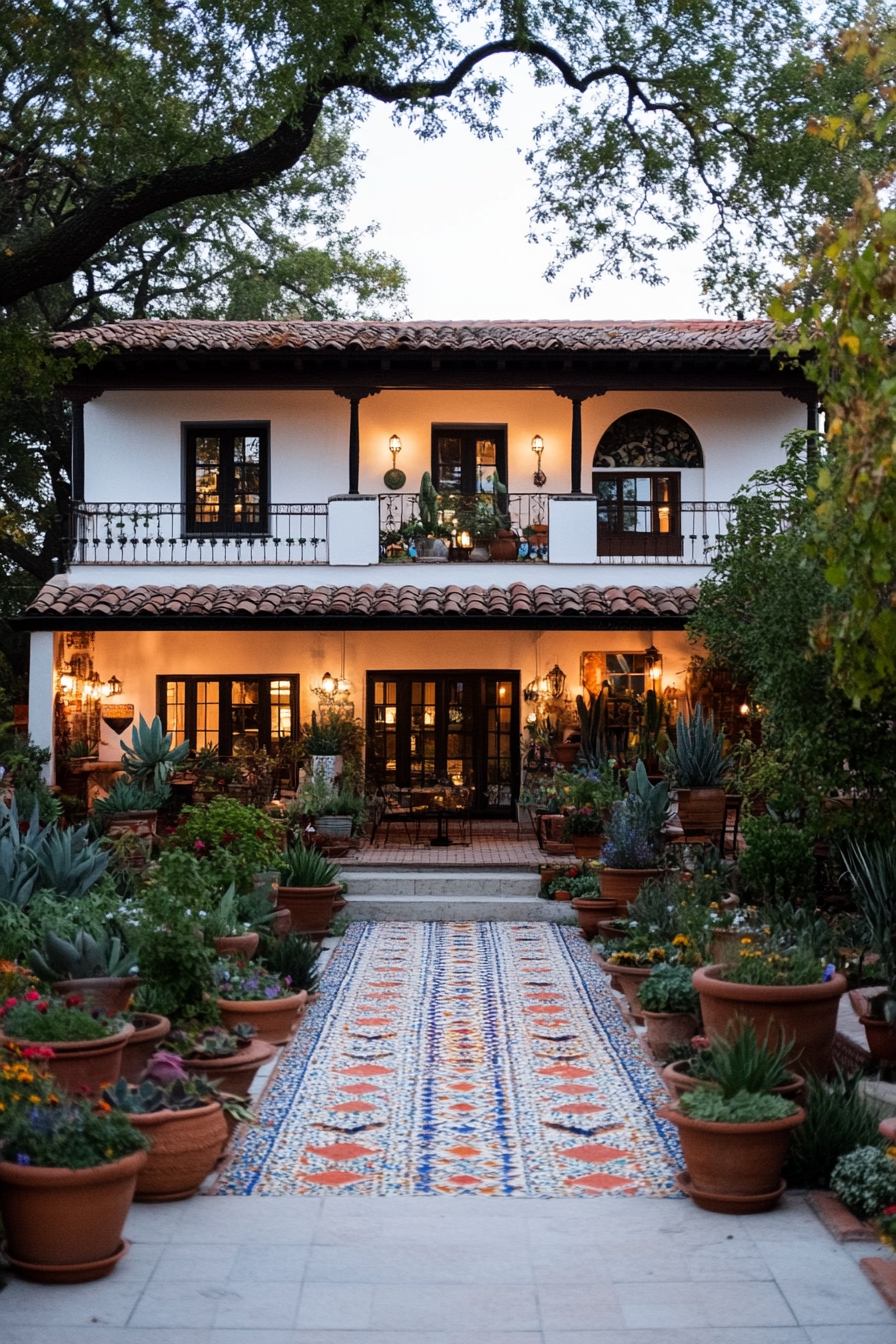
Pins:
x,y
556,682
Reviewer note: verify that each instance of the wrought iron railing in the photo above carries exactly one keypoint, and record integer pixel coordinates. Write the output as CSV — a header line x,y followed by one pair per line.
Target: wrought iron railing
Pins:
x,y
686,533
161,534
400,529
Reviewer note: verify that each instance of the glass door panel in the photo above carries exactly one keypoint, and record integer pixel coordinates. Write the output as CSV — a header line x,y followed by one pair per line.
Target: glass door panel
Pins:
x,y
422,746
244,714
500,757
459,732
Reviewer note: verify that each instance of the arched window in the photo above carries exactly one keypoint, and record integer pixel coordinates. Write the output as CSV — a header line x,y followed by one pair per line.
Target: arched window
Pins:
x,y
648,439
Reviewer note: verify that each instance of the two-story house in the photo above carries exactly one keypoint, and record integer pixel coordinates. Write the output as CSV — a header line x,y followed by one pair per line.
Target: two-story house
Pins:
x,y
248,541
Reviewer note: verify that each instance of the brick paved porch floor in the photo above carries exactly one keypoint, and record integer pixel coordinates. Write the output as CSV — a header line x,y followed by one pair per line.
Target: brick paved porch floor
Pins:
x,y
493,844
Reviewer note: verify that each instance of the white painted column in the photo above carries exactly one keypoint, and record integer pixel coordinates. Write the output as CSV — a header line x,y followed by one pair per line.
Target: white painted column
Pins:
x,y
572,529
353,529
41,694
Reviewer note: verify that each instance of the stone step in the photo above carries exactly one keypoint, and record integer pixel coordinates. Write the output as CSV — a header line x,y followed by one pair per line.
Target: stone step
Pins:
x,y
441,884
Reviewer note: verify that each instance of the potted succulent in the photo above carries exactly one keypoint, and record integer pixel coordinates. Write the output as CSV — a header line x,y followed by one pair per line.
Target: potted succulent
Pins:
x,y
148,764
183,1120
669,1005
222,927
256,995
871,865
232,1056
736,1062
67,1177
87,1047
96,969
697,767
128,809
309,884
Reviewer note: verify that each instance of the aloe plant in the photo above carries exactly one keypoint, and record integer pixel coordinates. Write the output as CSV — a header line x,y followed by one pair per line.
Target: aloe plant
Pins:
x,y
654,797
126,796
697,759
150,760
84,958
304,866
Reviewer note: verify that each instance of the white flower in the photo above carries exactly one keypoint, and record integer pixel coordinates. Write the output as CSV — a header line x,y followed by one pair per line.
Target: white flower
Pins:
x,y
202,914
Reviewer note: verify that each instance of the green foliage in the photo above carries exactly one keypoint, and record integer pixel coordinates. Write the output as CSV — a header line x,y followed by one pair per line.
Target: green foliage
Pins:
x,y
83,958
653,730
208,1042
668,989
428,505
744,1108
305,866
696,761
233,840
254,983
755,966
175,965
52,1019
148,1098
593,751
295,956
126,796
68,861
737,1062
654,797
839,1119
151,760
865,1180
871,865
70,1134
779,861
630,840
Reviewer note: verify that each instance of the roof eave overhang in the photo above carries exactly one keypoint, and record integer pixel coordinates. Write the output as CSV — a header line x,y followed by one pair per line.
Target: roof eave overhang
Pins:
x,y
237,622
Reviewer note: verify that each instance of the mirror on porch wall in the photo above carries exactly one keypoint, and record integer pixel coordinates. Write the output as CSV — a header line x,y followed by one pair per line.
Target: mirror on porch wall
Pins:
x,y
457,728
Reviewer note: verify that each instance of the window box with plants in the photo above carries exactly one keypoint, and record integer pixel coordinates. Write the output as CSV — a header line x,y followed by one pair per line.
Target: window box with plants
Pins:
x,y
259,997
309,885
87,1046
736,1056
98,970
632,839
697,767
67,1176
670,1007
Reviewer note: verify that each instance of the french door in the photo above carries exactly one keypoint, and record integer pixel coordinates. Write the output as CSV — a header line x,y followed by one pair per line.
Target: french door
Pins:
x,y
457,727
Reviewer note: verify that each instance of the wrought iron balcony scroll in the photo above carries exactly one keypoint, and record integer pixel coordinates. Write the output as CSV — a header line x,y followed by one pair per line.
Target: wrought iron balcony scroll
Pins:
x,y
157,534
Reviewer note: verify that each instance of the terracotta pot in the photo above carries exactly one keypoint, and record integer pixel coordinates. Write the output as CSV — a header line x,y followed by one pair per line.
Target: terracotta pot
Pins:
x,y
733,1168
562,896
725,944
623,884
628,979
807,1014
110,993
701,810
565,753
243,946
589,914
677,1078
611,928
667,1029
273,1019
65,1226
185,1147
339,904
310,908
860,999
150,1030
881,1038
282,922
235,1072
87,1065
132,823
505,547
587,846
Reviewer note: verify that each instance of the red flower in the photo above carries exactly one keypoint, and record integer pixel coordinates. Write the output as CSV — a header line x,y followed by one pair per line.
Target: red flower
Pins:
x,y
42,1007
74,1001
259,834
11,1003
572,872
891,1209
32,996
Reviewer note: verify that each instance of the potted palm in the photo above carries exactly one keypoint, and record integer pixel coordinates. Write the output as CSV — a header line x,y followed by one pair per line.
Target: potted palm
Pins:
x,y
697,767
98,970
669,1006
309,884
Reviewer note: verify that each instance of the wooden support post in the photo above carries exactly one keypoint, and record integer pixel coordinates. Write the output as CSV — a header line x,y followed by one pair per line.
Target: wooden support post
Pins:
x,y
354,396
577,395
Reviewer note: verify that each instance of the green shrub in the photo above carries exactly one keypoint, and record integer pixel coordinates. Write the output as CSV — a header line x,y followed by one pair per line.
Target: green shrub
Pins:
x,y
175,965
305,866
70,1134
668,989
744,1108
865,1180
234,841
839,1119
295,956
779,860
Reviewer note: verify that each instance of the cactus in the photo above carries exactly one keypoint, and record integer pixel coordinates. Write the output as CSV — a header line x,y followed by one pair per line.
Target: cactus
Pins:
x,y
499,502
654,797
593,723
696,761
429,505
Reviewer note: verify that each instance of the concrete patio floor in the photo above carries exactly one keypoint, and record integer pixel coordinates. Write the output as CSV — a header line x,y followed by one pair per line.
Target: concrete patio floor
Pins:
x,y
473,1270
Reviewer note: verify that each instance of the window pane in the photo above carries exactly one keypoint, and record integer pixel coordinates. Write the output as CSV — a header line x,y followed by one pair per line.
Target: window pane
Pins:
x,y
281,710
244,712
247,479
486,461
208,470
175,710
449,457
207,709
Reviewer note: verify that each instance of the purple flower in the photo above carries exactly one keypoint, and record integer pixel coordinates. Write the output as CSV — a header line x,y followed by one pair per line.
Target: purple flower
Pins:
x,y
287,979
829,971
271,992
23,1159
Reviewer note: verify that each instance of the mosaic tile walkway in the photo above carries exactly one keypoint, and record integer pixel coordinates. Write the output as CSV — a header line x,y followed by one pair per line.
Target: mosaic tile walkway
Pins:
x,y
467,1058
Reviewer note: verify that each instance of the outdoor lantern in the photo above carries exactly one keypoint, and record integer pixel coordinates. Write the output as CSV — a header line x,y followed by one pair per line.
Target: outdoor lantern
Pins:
x,y
343,686
93,687
532,691
745,709
464,541
113,687
394,478
66,685
556,682
654,661
539,478
394,447
328,685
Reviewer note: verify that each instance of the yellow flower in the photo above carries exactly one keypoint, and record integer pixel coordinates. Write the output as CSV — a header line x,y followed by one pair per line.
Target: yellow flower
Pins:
x,y
108,1152
35,1101
681,941
746,940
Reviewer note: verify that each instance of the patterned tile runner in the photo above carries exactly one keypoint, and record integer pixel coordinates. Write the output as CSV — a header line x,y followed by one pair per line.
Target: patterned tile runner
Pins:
x,y
444,1059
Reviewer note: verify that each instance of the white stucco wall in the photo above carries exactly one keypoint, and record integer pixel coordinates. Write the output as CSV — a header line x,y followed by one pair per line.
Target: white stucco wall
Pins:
x,y
133,439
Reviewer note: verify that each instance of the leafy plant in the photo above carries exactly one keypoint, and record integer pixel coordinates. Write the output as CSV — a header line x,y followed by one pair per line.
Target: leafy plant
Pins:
x,y
67,1134
175,965
653,737
653,797
778,863
148,1098
744,1108
295,957
839,1119
737,1062
865,1180
233,841
696,761
755,966
83,958
126,796
151,759
871,865
305,866
593,751
582,821
668,989
36,1018
240,983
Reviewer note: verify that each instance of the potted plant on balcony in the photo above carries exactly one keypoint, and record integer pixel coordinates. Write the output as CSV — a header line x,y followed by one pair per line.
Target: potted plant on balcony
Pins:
x,y
67,1177
669,1005
258,996
87,1047
505,544
697,767
871,865
309,884
100,971
430,544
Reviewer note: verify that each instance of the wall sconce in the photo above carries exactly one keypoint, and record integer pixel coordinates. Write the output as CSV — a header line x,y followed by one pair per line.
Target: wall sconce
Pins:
x,y
539,478
394,478
654,661
112,687
328,684
555,681
532,691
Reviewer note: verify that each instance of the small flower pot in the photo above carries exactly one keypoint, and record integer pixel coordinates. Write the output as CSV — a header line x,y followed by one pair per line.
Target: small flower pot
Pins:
x,y
629,980
505,547
110,993
881,1038
667,1029
310,908
273,1019
235,1072
589,914
562,895
85,1066
725,945
733,1168
678,1080
64,1226
185,1147
150,1030
623,884
243,946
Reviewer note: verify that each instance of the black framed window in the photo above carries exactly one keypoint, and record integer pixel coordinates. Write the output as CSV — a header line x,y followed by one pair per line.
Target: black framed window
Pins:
x,y
465,457
227,471
225,712
638,514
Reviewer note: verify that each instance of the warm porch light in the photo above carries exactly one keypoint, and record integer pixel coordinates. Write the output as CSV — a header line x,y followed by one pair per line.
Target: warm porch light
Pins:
x,y
745,708
654,660
112,687
394,478
463,541
328,684
394,447
538,448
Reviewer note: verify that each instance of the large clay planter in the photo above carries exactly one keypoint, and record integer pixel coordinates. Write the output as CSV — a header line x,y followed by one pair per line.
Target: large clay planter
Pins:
x,y
273,1019
65,1226
132,823
589,914
110,993
623,884
667,1029
701,811
587,846
733,1168
612,928
565,753
629,979
84,1065
678,1080
185,1147
505,547
150,1030
881,1038
243,946
310,908
805,1014
235,1072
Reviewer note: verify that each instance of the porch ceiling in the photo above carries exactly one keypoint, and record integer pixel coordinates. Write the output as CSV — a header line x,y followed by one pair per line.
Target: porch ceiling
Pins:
x,y
60,606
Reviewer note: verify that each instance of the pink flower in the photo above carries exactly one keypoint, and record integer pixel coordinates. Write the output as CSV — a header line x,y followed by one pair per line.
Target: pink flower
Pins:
x,y
32,996
199,844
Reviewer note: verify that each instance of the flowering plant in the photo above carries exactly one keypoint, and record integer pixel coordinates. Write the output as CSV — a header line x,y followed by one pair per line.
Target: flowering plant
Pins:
x,y
239,982
582,821
38,1018
15,980
234,840
24,1080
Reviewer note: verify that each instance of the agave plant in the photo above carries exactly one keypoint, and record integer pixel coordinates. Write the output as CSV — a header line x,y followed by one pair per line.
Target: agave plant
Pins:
x,y
126,796
697,760
304,866
85,958
871,865
68,861
151,760
654,797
